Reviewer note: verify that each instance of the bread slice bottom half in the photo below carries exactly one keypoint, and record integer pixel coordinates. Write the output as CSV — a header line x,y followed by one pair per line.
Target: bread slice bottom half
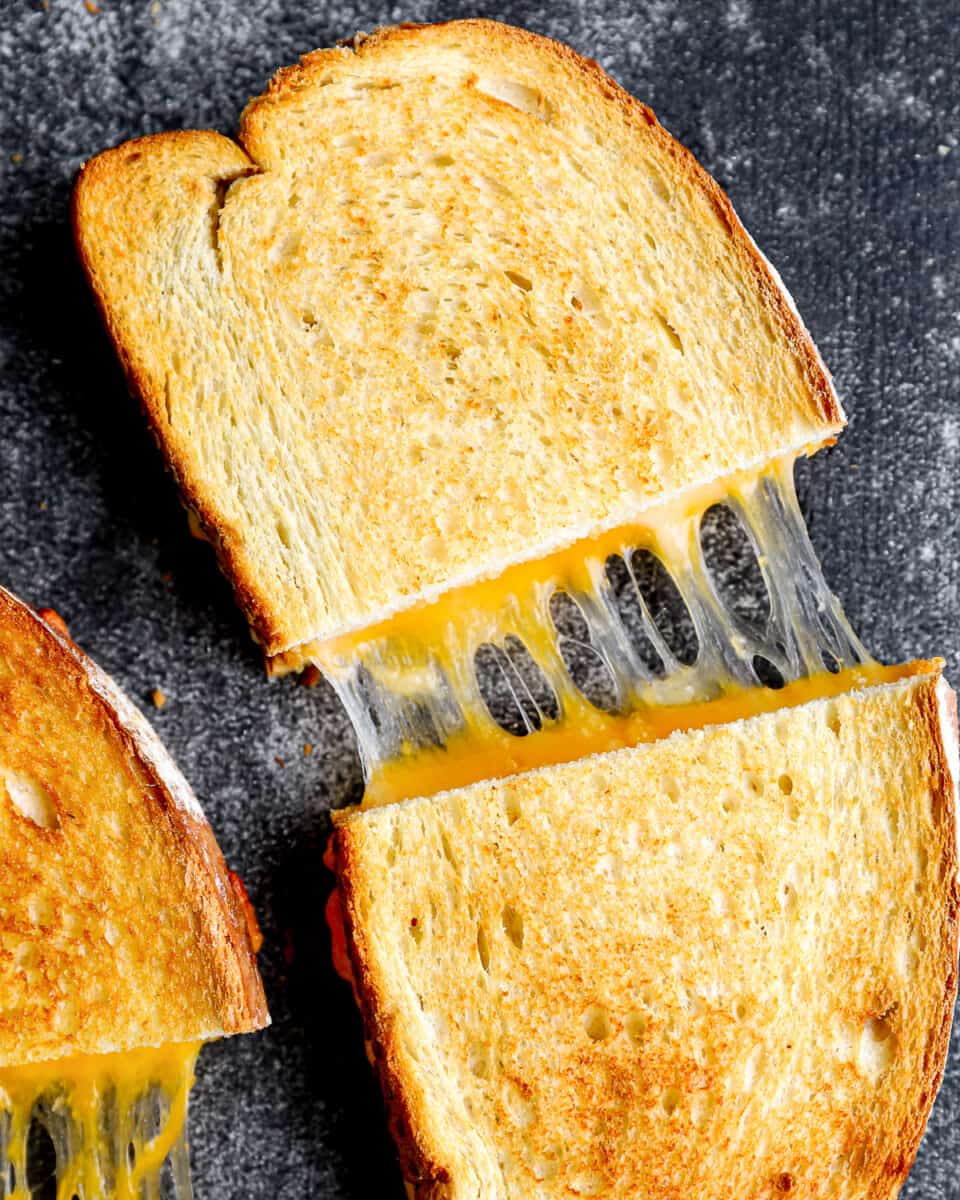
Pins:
x,y
723,964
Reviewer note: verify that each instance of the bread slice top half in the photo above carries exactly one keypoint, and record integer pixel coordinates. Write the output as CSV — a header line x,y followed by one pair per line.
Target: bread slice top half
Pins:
x,y
454,300
119,924
723,964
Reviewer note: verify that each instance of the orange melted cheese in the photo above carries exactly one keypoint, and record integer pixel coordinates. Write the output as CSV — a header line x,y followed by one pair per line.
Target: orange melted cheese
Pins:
x,y
491,753
113,1118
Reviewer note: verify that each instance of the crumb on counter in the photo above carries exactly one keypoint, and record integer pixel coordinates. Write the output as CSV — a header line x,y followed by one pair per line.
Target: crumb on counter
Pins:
x,y
158,698
279,761
307,749
91,6
310,676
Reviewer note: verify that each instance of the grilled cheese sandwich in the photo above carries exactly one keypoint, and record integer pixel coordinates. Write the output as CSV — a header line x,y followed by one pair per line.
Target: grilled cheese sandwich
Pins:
x,y
454,356
124,941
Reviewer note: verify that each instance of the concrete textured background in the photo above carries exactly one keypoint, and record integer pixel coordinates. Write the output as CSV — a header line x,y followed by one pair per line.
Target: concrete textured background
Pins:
x,y
835,130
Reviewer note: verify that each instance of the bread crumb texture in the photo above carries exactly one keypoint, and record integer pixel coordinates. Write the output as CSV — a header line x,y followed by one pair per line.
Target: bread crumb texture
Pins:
x,y
719,965
459,299
117,925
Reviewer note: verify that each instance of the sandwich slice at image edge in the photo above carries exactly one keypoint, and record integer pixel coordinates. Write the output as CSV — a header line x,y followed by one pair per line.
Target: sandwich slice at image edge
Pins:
x,y
125,943
457,358
722,964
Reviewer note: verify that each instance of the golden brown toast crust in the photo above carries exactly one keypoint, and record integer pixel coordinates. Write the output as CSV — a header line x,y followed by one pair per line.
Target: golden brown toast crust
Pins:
x,y
179,165
886,985
120,926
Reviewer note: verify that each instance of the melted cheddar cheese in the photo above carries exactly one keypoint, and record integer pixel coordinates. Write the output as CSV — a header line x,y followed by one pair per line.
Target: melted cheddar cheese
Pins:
x,y
113,1120
411,684
488,752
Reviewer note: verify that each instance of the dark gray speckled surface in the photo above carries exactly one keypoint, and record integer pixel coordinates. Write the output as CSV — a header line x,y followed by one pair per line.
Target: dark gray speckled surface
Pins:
x,y
835,130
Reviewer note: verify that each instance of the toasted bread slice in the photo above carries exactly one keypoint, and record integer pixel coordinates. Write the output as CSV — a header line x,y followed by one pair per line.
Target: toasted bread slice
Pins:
x,y
454,300
120,926
720,965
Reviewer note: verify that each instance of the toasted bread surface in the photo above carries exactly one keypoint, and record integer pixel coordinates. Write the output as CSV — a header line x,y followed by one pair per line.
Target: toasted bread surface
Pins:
x,y
458,300
119,925
720,965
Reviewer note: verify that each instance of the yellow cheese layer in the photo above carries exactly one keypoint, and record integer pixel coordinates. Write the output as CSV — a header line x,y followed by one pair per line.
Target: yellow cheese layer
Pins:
x,y
411,683
113,1119
488,752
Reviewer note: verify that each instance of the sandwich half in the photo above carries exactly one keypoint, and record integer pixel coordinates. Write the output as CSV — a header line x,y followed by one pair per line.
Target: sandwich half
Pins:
x,y
452,300
125,942
723,964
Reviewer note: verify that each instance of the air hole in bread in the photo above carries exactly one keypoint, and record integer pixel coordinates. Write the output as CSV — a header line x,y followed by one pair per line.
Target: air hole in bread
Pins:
x,y
286,249
483,948
544,1169
520,281
730,801
448,853
517,95
788,901
596,1023
752,1068
625,596
877,1047
374,85
767,674
589,1183
670,788
670,1100
512,925
511,806
478,1060
833,719
587,300
701,1109
673,338
784,1182
585,665
665,605
635,1025
416,929
376,158
31,799
785,784
658,186
493,187
740,1009
731,559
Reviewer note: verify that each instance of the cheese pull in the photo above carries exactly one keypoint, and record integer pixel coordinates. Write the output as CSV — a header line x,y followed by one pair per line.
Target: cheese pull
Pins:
x,y
622,638
101,1127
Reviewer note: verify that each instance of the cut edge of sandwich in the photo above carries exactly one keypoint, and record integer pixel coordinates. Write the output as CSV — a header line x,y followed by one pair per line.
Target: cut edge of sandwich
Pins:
x,y
270,624
428,1170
